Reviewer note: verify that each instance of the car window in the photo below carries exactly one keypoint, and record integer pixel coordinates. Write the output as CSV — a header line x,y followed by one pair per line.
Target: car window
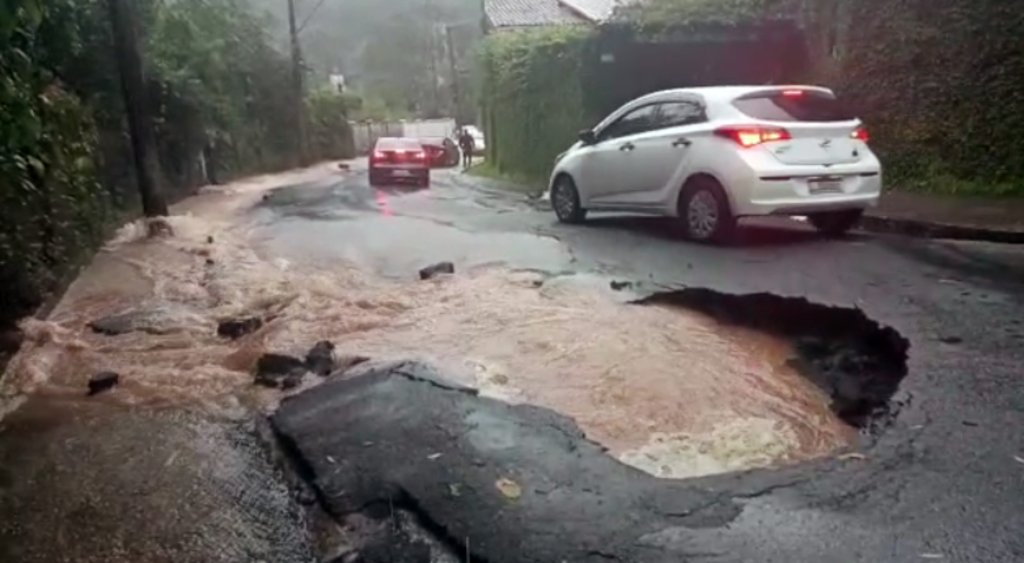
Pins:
x,y
391,143
637,121
794,105
674,114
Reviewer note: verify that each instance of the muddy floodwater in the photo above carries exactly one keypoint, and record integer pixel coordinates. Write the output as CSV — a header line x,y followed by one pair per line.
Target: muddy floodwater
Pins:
x,y
666,390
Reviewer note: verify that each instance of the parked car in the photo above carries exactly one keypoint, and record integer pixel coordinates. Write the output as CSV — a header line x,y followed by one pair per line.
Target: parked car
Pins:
x,y
479,143
712,155
441,151
398,159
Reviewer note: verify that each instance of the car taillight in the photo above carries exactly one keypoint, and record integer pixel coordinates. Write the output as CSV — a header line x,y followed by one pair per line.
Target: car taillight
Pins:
x,y
418,155
792,93
860,133
753,135
379,155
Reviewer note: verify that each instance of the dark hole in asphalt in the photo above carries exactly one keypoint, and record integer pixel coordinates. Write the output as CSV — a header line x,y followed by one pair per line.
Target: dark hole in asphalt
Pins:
x,y
857,361
854,359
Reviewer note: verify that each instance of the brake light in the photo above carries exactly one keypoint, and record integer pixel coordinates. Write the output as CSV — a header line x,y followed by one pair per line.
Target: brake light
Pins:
x,y
379,155
753,135
860,133
418,155
792,93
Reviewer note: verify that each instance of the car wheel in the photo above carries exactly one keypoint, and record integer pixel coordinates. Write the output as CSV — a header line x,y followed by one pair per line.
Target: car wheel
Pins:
x,y
565,200
705,212
835,223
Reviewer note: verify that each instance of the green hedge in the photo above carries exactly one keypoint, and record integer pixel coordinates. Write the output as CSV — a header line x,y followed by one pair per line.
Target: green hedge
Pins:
x,y
532,98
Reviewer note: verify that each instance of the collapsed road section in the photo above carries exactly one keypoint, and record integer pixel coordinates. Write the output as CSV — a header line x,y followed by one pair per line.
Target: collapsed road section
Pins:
x,y
517,483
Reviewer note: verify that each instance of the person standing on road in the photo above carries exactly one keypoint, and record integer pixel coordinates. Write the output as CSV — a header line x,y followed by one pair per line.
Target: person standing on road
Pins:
x,y
466,143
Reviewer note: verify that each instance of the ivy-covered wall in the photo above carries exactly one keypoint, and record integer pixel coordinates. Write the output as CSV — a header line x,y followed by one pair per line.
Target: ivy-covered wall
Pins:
x,y
532,100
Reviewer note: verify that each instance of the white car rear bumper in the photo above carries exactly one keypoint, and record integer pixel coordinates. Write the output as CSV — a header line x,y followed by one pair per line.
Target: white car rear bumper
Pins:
x,y
791,190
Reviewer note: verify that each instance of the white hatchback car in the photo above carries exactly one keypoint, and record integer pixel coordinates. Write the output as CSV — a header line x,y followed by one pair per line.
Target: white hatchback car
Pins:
x,y
712,155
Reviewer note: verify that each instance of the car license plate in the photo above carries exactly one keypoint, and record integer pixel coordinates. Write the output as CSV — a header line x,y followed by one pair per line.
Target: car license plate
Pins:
x,y
402,173
829,186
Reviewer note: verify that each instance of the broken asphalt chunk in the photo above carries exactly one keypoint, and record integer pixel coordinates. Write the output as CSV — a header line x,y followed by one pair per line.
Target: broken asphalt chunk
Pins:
x,y
279,370
434,270
237,328
320,358
103,381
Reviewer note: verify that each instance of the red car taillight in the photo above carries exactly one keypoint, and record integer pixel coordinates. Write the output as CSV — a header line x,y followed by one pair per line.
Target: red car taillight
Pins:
x,y
379,155
753,135
860,133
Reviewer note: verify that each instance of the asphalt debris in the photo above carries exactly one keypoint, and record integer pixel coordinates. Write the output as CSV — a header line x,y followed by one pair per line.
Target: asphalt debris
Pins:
x,y
237,328
279,371
103,381
320,358
437,269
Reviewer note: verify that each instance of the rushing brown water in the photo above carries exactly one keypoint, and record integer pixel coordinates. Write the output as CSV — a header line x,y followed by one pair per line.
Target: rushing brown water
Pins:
x,y
668,391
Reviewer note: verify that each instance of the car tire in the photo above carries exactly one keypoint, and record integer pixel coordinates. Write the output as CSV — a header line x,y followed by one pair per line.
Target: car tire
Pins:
x,y
835,223
565,200
705,212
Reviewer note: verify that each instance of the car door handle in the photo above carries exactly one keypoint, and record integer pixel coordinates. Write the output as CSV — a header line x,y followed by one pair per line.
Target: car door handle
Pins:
x,y
626,147
682,142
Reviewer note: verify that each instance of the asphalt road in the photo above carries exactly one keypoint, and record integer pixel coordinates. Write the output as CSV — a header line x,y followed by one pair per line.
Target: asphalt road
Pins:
x,y
946,482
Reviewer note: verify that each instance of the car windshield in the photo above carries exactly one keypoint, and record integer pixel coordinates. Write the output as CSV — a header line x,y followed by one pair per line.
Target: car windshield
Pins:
x,y
794,105
390,143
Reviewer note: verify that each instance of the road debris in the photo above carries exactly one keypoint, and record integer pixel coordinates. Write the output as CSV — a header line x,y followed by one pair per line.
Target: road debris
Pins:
x,y
435,270
103,381
509,488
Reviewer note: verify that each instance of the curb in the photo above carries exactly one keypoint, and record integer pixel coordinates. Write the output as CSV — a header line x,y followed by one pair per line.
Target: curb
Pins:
x,y
926,229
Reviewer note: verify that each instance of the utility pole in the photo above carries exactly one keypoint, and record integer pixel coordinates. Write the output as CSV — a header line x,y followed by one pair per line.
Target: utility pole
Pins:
x,y
456,93
124,21
297,87
435,91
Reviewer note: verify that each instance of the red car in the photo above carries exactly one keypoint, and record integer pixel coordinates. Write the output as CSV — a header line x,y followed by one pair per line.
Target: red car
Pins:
x,y
397,160
441,151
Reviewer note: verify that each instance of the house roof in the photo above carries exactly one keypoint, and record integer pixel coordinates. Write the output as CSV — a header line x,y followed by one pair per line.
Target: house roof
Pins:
x,y
531,13
594,10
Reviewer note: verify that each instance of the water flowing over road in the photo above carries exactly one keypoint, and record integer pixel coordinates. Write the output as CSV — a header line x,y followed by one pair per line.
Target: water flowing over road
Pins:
x,y
168,461
326,257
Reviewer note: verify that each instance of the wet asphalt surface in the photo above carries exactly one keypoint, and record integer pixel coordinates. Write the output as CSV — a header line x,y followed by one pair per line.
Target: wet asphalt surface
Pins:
x,y
945,482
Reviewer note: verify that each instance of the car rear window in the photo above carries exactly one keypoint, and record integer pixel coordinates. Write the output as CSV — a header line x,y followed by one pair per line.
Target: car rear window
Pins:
x,y
390,143
790,105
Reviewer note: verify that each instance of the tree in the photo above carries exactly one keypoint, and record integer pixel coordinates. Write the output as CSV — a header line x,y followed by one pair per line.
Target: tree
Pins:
x,y
133,83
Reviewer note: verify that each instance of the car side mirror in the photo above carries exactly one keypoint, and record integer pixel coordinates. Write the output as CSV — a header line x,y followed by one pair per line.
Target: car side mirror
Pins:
x,y
588,137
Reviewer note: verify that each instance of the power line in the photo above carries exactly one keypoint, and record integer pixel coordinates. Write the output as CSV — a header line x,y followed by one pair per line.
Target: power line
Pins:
x,y
310,15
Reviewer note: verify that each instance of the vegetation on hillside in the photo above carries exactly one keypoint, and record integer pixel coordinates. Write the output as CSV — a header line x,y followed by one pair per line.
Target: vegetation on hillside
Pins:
x,y
215,82
393,54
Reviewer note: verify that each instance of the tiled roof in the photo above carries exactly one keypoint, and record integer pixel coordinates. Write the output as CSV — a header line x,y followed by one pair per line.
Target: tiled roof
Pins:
x,y
595,10
528,13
